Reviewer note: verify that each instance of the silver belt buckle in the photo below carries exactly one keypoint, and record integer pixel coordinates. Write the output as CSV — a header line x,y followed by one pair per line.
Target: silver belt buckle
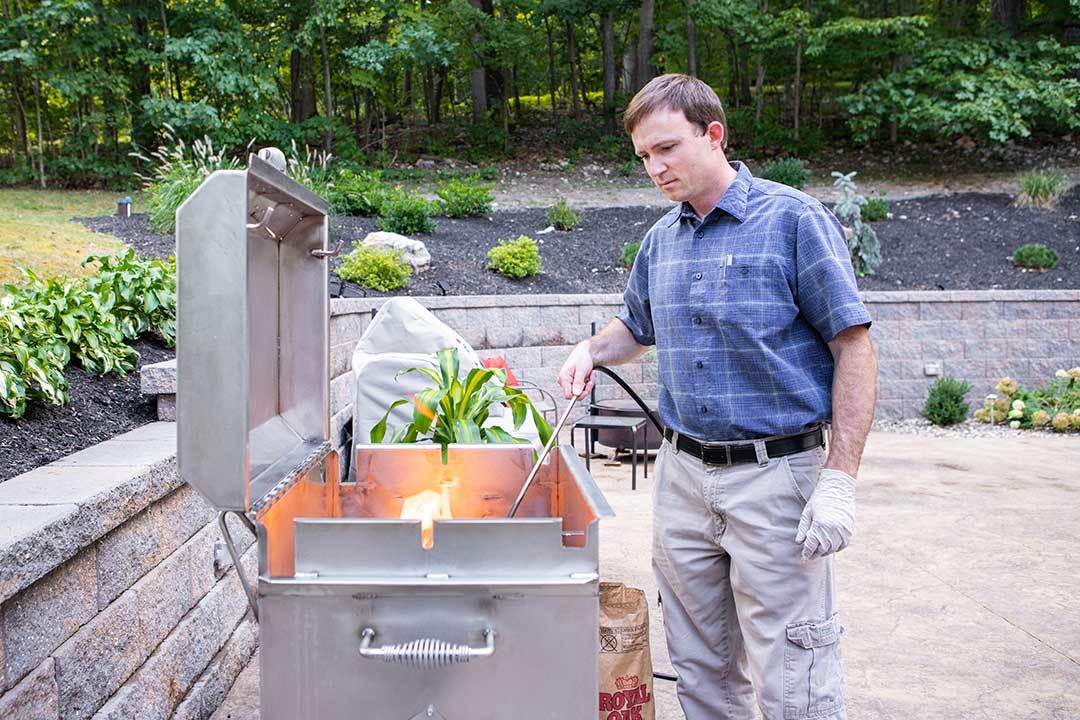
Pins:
x,y
717,446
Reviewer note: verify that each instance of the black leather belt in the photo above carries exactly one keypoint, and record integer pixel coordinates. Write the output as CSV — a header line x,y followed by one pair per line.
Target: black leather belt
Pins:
x,y
713,453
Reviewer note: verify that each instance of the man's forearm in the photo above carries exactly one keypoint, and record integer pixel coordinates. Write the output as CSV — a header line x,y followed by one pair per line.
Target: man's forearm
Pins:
x,y
614,345
854,395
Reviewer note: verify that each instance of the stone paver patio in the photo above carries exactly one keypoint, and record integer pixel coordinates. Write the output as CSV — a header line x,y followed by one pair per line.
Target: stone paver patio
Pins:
x,y
959,596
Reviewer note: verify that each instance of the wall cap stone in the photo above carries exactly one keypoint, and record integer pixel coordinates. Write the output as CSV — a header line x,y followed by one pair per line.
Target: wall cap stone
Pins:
x,y
51,512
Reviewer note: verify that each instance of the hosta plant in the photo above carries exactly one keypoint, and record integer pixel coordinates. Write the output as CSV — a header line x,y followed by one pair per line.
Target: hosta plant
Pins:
x,y
32,359
454,410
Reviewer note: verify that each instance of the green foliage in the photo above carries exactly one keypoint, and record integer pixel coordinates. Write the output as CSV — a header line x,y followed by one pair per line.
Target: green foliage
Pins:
x,y
379,269
465,198
1055,405
361,193
1036,256
876,208
863,244
946,402
177,170
43,323
992,90
561,217
629,254
1041,188
515,259
406,214
789,171
629,168
454,410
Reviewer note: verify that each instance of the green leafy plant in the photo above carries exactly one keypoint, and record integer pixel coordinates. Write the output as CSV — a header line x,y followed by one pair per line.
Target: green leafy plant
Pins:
x,y
561,217
629,253
1041,188
789,171
32,357
629,168
1035,256
379,269
313,171
454,410
1056,402
515,259
465,198
406,214
876,208
361,193
177,171
946,403
863,244
143,292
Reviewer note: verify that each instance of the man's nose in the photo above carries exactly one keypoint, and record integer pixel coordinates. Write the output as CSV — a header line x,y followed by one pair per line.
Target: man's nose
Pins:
x,y
655,168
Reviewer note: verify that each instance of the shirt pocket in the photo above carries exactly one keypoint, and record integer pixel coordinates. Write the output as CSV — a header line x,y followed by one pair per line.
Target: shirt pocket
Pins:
x,y
756,296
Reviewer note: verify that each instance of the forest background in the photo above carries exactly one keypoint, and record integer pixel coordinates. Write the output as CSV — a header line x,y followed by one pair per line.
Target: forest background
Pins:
x,y
88,85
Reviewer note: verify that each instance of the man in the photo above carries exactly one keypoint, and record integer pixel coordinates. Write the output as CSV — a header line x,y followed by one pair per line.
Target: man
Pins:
x,y
746,290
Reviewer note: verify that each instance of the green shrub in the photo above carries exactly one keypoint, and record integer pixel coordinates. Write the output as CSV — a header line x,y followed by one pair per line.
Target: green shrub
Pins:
x,y
515,258
361,193
1041,188
1036,256
177,172
629,168
629,253
789,171
946,403
45,322
379,269
465,198
876,208
561,217
406,214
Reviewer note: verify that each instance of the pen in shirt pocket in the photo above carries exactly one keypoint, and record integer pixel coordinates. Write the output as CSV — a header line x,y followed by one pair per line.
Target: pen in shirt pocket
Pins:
x,y
728,260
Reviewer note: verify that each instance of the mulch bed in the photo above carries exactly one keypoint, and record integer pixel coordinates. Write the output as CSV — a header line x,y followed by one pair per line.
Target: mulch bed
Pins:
x,y
99,408
956,242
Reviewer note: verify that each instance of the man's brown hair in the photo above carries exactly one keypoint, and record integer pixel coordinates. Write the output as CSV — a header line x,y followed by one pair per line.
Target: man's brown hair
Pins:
x,y
697,101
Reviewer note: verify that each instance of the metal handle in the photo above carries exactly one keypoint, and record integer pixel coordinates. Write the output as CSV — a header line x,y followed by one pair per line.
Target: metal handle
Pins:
x,y
425,653
547,449
330,253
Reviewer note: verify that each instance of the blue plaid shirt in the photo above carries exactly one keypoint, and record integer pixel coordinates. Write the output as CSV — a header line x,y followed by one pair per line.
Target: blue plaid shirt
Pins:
x,y
740,306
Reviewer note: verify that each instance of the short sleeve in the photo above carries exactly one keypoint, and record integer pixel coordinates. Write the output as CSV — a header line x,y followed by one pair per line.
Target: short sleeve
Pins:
x,y
636,313
826,292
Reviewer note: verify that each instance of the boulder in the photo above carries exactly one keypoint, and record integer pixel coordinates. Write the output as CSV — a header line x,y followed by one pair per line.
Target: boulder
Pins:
x,y
413,251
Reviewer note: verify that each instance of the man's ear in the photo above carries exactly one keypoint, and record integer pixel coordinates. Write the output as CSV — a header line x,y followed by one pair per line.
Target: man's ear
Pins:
x,y
716,134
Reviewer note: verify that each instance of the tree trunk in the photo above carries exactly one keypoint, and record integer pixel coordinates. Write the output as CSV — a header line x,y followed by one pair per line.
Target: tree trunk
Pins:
x,y
691,40
759,100
479,79
440,84
141,132
798,84
328,94
40,140
571,50
552,84
645,44
517,95
1009,14
301,94
608,32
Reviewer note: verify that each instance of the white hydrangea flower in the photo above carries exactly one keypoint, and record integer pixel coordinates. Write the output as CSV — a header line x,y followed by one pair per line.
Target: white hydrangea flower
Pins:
x,y
1015,424
1018,405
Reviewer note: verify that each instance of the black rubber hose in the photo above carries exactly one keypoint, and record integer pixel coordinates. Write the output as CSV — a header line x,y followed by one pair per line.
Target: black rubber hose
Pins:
x,y
665,676
637,398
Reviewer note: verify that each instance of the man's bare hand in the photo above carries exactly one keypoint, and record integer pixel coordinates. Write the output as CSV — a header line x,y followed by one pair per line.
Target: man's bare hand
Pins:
x,y
576,375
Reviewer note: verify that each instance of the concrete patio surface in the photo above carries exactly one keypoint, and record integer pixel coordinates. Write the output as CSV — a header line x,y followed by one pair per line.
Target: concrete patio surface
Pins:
x,y
960,595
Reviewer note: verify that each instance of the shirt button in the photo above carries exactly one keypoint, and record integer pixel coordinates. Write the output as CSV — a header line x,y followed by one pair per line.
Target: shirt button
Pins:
x,y
697,321
700,364
697,276
698,235
704,409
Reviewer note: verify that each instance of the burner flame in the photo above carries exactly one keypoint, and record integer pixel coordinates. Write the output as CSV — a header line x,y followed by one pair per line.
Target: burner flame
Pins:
x,y
426,506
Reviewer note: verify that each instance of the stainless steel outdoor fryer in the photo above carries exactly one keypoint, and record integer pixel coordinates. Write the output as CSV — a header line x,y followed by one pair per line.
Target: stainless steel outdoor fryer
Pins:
x,y
498,618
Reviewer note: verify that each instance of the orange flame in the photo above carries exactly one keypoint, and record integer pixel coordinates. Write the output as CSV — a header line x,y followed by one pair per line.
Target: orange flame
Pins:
x,y
426,506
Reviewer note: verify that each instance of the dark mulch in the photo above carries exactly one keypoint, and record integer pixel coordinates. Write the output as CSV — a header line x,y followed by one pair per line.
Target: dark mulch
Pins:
x,y
957,242
100,408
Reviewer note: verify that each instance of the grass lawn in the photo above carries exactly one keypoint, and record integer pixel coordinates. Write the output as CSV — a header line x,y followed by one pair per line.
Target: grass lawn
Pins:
x,y
36,231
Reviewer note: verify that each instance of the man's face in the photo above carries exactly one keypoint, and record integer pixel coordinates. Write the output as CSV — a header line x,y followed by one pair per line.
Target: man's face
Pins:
x,y
678,157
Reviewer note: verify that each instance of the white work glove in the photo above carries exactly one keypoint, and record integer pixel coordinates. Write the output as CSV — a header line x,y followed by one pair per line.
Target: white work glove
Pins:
x,y
828,520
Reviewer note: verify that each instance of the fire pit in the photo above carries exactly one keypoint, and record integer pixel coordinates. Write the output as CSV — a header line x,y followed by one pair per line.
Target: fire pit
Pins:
x,y
452,611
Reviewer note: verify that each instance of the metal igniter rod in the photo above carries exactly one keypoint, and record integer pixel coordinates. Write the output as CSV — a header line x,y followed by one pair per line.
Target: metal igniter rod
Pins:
x,y
540,461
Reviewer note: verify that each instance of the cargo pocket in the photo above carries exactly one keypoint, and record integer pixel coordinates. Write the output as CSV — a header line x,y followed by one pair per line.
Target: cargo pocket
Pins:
x,y
813,674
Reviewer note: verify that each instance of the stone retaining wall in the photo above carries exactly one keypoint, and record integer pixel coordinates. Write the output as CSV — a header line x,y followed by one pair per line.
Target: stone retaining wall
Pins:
x,y
113,600
978,336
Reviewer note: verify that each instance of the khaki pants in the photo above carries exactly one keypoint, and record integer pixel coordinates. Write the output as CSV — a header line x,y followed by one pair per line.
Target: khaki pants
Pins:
x,y
742,609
